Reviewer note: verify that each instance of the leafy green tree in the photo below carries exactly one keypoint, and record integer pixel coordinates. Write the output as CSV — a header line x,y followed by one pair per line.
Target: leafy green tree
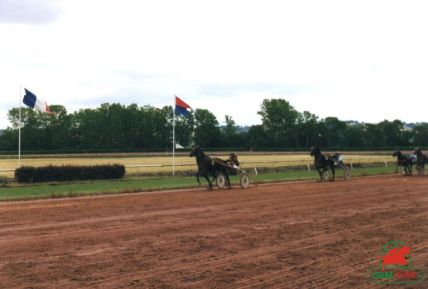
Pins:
x,y
393,133
373,136
280,120
184,129
257,137
207,131
332,131
307,130
41,131
85,132
353,136
420,135
229,133
56,128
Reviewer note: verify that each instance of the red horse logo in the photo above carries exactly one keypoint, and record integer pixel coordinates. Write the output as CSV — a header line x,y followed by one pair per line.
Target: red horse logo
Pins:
x,y
395,257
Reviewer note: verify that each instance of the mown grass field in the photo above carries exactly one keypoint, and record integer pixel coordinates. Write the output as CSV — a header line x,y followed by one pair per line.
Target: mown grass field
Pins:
x,y
147,172
138,165
15,191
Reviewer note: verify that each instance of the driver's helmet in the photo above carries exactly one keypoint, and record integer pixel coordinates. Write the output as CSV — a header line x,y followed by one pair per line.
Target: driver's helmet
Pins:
x,y
338,156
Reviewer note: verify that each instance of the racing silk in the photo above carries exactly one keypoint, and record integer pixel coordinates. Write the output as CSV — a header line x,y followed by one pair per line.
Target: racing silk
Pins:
x,y
233,161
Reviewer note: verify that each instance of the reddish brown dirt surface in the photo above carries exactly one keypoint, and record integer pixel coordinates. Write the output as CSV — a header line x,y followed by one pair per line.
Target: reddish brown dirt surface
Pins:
x,y
289,235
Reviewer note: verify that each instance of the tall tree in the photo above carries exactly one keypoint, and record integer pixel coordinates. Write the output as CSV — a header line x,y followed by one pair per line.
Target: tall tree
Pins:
x,y
207,132
420,135
307,130
333,131
184,129
354,136
280,120
229,131
373,135
257,137
393,133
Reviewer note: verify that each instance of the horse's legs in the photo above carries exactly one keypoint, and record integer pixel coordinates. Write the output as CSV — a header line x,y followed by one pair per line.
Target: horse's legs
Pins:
x,y
228,181
197,178
210,186
321,174
422,167
333,171
214,176
405,168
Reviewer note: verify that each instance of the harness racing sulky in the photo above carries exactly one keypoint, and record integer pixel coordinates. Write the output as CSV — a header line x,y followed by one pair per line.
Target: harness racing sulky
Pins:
x,y
405,161
325,162
421,159
218,170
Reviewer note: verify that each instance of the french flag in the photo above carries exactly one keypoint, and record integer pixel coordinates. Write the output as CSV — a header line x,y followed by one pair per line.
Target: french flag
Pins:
x,y
181,107
31,100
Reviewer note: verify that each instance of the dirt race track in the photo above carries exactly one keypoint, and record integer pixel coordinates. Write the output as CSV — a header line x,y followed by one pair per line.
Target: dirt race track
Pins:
x,y
290,235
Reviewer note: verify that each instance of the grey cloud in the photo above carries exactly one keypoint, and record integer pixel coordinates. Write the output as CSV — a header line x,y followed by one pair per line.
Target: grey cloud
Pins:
x,y
237,88
28,11
217,89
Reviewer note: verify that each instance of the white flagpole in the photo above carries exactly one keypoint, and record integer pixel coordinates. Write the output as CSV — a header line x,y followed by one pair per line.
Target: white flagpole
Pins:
x,y
19,129
173,138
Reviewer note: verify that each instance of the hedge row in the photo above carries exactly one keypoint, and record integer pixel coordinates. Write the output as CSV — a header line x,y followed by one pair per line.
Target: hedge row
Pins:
x,y
68,173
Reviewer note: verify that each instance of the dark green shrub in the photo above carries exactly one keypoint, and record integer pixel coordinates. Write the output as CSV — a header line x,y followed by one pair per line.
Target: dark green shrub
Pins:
x,y
68,173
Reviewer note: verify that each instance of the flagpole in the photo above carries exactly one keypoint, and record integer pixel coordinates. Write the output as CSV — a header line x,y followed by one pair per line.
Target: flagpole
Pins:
x,y
19,128
173,138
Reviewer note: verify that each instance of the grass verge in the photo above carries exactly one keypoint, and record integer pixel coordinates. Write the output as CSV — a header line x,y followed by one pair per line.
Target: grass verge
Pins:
x,y
15,191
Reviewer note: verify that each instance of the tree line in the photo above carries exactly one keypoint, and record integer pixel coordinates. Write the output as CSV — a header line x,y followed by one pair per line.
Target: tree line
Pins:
x,y
132,127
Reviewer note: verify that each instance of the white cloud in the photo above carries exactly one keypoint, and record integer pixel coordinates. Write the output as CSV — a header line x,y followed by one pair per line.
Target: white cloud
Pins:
x,y
362,60
28,11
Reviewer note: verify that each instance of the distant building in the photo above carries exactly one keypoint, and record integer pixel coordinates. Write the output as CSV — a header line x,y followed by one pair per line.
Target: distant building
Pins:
x,y
242,129
408,126
353,123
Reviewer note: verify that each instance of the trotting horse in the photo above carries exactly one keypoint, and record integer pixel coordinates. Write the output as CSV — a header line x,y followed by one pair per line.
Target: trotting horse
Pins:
x,y
421,159
208,167
322,163
404,161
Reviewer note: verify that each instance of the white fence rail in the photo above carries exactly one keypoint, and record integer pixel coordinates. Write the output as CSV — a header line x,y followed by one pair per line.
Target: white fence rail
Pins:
x,y
255,164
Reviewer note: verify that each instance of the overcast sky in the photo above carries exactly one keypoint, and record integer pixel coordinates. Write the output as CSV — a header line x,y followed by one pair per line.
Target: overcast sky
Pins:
x,y
356,60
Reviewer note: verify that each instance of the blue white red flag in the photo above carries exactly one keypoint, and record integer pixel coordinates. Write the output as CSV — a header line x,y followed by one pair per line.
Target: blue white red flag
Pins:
x,y
181,107
31,100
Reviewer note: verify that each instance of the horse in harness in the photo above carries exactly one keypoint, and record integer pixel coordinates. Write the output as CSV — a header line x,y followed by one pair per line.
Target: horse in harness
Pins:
x,y
404,161
421,159
216,169
323,163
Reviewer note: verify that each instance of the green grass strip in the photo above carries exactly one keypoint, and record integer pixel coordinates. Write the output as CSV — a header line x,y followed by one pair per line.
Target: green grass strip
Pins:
x,y
15,191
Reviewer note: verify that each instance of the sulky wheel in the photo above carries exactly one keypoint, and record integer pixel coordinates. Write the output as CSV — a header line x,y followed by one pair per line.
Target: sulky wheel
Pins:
x,y
244,181
325,176
221,180
421,169
346,173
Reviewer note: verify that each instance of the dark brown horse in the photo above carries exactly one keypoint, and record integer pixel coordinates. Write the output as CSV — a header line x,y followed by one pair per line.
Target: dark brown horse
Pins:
x,y
322,163
209,167
421,159
404,161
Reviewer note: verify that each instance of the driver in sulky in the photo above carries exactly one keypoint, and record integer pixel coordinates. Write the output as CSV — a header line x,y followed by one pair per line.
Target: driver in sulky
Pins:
x,y
233,161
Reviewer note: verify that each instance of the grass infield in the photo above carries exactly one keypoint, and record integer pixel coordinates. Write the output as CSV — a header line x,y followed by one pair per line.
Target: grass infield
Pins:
x,y
154,165
14,191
